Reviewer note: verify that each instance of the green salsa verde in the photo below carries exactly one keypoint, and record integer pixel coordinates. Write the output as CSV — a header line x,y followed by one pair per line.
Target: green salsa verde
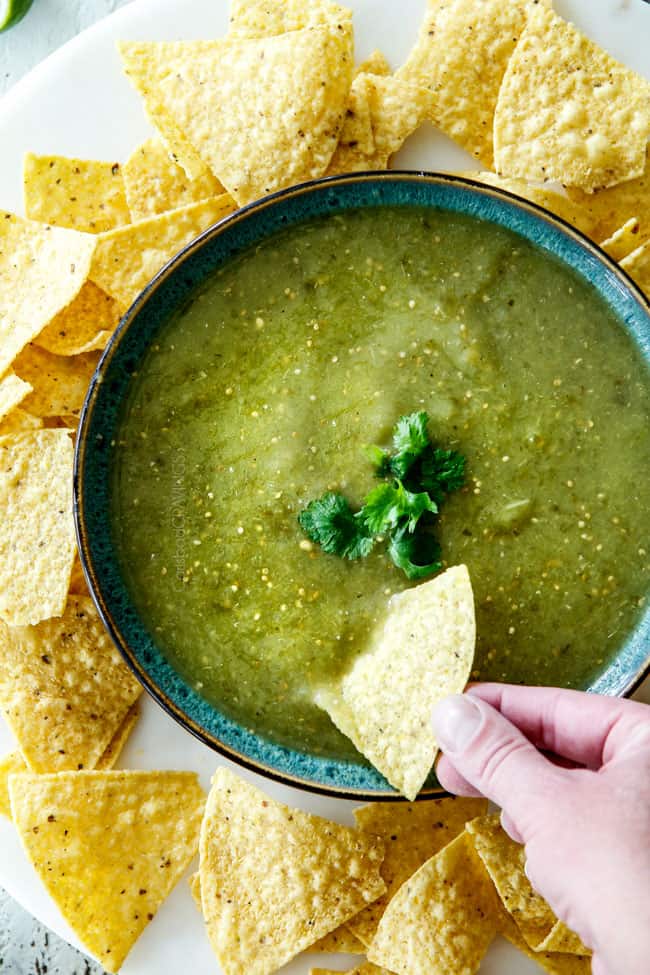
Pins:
x,y
261,394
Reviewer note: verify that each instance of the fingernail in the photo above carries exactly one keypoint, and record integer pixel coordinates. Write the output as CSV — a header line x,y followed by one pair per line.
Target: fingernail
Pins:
x,y
455,721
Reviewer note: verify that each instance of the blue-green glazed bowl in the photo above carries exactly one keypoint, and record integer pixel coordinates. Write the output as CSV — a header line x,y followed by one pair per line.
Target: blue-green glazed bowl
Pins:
x,y
168,291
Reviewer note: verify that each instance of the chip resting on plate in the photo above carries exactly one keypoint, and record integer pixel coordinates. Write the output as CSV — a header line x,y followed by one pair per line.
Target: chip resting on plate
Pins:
x,y
42,269
421,653
155,183
442,920
274,880
59,382
553,962
37,541
609,209
266,18
262,113
13,391
108,847
568,111
339,940
637,265
623,241
85,325
412,833
83,194
64,689
461,55
504,861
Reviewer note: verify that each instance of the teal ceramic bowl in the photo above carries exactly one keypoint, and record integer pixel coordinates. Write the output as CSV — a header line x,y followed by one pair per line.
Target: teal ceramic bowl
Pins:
x,y
158,302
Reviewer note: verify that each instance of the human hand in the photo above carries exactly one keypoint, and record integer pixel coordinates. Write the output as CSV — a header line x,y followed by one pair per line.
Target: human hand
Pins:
x,y
582,810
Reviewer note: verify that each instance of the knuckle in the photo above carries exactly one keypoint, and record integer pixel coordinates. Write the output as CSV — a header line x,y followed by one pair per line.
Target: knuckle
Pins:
x,y
496,758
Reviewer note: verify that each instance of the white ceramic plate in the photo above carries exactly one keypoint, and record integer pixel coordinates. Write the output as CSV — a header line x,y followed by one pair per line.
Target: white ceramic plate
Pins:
x,y
78,103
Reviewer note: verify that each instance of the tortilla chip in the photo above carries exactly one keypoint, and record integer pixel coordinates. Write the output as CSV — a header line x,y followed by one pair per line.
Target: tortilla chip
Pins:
x,y
85,325
267,18
557,204
274,880
375,63
568,111
59,383
366,969
442,920
563,940
18,421
128,258
82,194
37,540
13,391
421,653
340,940
412,833
78,579
552,962
65,691
120,738
623,241
637,265
609,209
41,270
155,183
108,847
195,889
64,688
461,55
9,764
277,103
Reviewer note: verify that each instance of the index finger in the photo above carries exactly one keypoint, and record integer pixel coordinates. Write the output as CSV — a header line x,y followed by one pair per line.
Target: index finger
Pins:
x,y
585,728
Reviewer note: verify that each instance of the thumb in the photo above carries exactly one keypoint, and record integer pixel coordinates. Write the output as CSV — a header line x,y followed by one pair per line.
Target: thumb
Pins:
x,y
493,756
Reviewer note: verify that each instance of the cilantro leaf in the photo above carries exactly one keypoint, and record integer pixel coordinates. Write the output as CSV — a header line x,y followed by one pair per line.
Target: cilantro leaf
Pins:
x,y
330,522
410,435
389,505
416,554
441,472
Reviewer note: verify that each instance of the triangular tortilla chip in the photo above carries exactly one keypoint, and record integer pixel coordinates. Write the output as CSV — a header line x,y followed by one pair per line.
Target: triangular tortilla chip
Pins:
x,y
84,326
340,940
461,54
274,880
555,963
262,113
37,539
442,920
422,652
623,241
568,111
609,209
19,421
108,847
83,194
128,258
155,183
13,391
637,265
412,833
59,382
266,18
41,270
64,688
375,63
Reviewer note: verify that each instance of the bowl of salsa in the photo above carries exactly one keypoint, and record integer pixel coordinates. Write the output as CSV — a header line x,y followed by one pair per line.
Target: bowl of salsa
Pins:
x,y
250,377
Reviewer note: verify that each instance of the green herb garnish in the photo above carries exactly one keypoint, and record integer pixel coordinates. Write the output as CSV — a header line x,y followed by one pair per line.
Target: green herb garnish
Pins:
x,y
418,477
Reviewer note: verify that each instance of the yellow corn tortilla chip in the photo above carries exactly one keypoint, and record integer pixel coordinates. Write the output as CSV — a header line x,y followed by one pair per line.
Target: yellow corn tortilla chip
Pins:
x,y
13,391
422,652
277,103
42,269
108,847
568,111
563,940
555,963
37,540
274,880
18,421
623,241
155,183
412,833
82,194
442,920
195,889
561,206
356,146
375,63
59,383
366,969
267,18
340,940
64,688
609,209
128,258
9,764
461,54
637,265
84,326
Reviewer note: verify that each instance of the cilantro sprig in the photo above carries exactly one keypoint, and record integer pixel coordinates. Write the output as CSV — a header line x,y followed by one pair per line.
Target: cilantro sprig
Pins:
x,y
417,477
